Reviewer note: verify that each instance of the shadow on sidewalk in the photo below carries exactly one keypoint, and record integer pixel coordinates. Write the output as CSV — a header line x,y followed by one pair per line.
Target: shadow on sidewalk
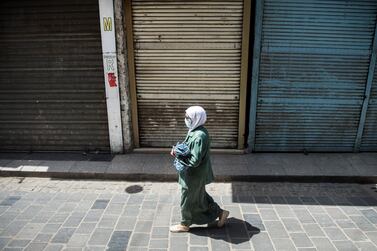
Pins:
x,y
235,231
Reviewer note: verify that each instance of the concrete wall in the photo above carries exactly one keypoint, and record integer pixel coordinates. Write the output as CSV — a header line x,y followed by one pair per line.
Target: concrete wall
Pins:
x,y
123,74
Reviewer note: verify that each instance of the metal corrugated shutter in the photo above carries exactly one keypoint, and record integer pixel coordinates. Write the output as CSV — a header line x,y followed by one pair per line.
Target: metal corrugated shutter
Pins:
x,y
313,69
187,53
369,139
52,94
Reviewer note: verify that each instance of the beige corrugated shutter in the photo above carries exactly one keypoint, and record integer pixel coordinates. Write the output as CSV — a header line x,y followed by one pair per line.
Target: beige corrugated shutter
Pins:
x,y
187,53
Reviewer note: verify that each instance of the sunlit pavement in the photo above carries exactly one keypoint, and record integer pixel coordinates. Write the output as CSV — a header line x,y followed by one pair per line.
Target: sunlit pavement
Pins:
x,y
53,214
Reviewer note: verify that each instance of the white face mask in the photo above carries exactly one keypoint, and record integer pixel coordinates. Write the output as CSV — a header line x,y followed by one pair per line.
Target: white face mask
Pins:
x,y
188,122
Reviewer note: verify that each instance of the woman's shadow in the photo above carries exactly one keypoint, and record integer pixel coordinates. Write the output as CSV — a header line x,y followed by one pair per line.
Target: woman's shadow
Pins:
x,y
235,231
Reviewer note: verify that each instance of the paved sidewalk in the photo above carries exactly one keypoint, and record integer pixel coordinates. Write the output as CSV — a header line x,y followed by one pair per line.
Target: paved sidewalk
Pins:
x,y
53,214
314,167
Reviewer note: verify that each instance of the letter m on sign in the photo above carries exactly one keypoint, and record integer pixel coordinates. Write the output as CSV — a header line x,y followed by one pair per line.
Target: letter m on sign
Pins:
x,y
107,24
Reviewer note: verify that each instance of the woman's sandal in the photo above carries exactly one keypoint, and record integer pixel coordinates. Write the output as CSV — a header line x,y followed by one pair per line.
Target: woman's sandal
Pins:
x,y
222,219
179,228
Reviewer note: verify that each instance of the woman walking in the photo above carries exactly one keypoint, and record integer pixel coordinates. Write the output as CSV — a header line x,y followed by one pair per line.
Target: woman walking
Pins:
x,y
197,206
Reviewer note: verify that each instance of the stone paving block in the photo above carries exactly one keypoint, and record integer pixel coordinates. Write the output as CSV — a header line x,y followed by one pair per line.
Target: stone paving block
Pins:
x,y
100,204
159,244
178,243
198,248
292,200
114,209
126,223
335,234
131,211
137,249
323,244
277,200
93,216
10,200
139,240
58,218
313,209
345,246
51,228
35,246
370,214
63,235
219,244
372,236
238,229
254,220
276,229
198,237
108,221
262,242
13,228
68,207
120,199
149,205
135,199
363,224
42,238
160,232
30,231
143,226
100,236
85,228
324,220
20,243
345,224
284,211
313,230
336,214
262,201
268,214
248,208
355,234
29,213
292,225
351,211
366,246
78,240
241,244
149,215
304,216
357,201
42,217
13,249
74,220
119,240
301,240
283,244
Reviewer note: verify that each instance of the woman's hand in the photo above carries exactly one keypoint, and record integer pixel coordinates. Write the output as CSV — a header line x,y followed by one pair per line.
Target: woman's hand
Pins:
x,y
172,152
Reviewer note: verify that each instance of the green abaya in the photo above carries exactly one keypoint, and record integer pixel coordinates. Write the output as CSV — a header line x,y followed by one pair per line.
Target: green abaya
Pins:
x,y
197,206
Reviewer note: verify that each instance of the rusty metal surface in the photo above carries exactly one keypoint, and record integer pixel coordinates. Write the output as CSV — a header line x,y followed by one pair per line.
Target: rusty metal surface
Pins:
x,y
187,53
52,96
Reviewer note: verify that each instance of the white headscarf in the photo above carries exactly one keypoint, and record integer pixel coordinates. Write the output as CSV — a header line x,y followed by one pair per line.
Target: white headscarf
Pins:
x,y
197,117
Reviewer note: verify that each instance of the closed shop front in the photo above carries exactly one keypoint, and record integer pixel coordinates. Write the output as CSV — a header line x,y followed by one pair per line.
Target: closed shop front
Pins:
x,y
310,78
52,96
188,53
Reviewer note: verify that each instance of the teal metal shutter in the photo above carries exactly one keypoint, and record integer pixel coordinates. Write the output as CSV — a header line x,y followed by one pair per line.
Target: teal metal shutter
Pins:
x,y
369,139
52,93
313,68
